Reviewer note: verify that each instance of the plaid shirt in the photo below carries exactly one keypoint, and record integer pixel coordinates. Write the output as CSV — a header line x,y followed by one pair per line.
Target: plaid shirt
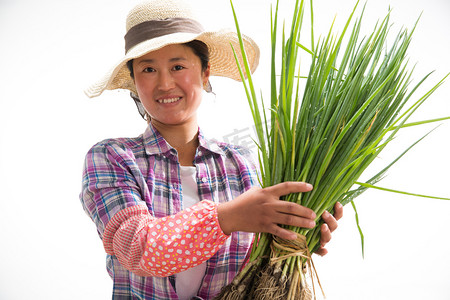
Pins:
x,y
121,176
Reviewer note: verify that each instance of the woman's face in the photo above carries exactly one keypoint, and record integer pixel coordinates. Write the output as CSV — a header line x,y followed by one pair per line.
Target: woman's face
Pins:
x,y
169,82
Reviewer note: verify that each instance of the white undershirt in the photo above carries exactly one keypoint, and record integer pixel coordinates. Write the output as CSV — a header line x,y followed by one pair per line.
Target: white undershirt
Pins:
x,y
187,283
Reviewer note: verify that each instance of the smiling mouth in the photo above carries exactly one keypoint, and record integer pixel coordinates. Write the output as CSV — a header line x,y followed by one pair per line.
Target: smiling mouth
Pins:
x,y
169,100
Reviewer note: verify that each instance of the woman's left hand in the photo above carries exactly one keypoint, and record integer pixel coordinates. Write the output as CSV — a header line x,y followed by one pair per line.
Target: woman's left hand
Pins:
x,y
328,227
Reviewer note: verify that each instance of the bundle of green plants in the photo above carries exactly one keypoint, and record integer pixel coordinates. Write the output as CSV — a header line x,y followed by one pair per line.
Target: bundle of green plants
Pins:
x,y
325,128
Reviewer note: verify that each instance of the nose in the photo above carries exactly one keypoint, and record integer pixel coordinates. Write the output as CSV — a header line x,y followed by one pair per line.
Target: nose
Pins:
x,y
165,81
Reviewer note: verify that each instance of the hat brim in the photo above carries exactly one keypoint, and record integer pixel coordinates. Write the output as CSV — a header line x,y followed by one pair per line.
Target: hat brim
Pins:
x,y
222,60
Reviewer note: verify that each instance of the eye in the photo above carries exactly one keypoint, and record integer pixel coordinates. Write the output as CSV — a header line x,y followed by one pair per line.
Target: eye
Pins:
x,y
178,68
148,70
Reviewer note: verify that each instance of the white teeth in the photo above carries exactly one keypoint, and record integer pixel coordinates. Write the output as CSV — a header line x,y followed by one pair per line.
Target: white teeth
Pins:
x,y
170,100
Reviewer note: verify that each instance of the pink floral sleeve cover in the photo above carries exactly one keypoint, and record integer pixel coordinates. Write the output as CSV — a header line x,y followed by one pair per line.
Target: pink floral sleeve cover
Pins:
x,y
160,247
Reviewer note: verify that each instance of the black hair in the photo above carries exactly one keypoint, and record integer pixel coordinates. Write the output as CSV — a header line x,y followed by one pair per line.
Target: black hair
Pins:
x,y
198,47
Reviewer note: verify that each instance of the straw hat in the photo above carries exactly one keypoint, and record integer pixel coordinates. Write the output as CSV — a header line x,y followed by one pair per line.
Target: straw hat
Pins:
x,y
154,24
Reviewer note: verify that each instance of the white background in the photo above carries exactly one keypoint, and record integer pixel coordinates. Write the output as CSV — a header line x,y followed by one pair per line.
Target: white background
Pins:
x,y
51,50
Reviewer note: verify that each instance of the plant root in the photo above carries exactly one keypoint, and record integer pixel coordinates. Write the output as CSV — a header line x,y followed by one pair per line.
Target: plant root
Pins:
x,y
270,283
281,277
240,288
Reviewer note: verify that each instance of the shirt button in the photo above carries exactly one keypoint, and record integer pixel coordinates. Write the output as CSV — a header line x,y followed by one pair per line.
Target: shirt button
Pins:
x,y
204,179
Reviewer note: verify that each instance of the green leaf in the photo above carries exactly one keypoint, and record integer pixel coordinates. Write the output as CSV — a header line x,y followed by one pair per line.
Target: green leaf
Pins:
x,y
399,192
359,228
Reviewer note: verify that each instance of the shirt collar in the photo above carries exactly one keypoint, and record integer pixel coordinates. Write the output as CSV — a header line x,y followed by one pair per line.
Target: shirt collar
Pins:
x,y
209,144
155,143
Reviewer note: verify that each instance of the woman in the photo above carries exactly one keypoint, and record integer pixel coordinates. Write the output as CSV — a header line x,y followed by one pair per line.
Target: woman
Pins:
x,y
175,210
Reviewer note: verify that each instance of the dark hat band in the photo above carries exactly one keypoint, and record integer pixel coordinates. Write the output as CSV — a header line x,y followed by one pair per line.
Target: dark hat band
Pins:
x,y
156,28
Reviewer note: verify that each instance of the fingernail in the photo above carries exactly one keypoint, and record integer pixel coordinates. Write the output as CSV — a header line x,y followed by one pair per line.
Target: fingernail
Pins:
x,y
309,186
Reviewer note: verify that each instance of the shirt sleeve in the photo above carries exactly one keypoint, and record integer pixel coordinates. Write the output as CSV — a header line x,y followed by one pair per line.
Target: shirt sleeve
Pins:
x,y
161,247
112,193
112,181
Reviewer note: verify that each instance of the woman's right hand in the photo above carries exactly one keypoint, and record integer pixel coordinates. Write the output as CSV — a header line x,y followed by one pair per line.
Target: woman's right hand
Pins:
x,y
261,210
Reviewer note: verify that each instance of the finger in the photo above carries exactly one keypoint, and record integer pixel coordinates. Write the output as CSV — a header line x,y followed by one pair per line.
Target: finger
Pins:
x,y
325,235
289,187
294,209
330,221
292,220
338,211
283,233
321,251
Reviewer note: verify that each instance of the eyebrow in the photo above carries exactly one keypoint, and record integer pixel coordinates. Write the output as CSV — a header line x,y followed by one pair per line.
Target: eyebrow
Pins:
x,y
175,59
